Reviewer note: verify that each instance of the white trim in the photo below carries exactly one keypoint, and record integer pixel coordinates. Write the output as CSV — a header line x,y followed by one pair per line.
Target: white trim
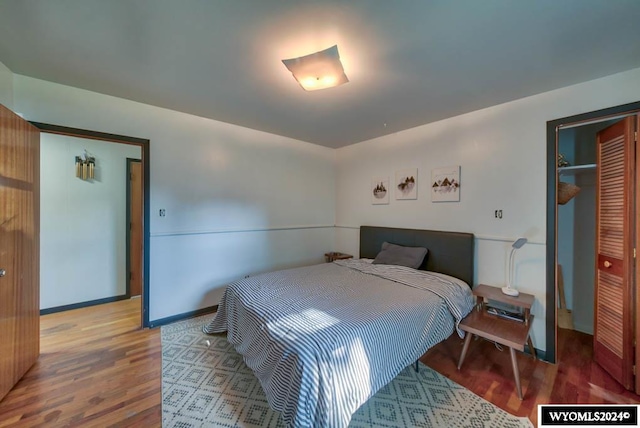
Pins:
x,y
312,226
506,239
239,230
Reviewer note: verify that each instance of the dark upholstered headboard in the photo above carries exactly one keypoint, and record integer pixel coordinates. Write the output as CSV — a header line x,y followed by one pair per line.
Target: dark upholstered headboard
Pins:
x,y
450,253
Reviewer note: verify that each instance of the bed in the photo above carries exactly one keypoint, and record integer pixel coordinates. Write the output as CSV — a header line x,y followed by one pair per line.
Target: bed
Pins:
x,y
323,339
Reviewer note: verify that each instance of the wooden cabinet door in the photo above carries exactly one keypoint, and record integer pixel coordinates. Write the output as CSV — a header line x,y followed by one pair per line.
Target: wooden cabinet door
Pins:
x,y
19,248
613,318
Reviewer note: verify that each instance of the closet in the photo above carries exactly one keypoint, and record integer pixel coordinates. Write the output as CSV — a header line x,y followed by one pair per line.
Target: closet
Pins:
x,y
596,239
577,223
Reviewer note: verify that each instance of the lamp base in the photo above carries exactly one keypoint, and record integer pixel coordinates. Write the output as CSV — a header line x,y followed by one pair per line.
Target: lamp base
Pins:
x,y
510,291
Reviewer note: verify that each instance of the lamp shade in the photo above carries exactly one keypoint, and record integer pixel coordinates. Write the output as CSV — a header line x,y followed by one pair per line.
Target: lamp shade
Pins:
x,y
519,243
318,70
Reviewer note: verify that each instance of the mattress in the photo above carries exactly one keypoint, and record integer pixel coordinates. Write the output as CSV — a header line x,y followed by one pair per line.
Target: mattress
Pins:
x,y
323,339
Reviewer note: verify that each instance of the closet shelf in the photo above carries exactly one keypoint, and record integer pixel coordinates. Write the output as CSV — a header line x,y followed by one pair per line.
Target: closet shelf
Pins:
x,y
571,170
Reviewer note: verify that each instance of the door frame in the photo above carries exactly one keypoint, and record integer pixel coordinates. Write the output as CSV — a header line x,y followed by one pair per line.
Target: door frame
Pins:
x,y
128,220
553,128
144,144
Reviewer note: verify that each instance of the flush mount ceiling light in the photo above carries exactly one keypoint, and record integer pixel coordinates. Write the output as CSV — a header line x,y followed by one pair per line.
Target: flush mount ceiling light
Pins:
x,y
318,70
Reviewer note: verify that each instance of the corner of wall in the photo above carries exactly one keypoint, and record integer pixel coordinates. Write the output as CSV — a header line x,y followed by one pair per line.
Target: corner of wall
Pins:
x,y
6,86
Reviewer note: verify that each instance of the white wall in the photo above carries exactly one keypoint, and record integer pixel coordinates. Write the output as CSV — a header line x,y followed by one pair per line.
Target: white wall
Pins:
x,y
237,201
6,86
502,152
83,222
240,201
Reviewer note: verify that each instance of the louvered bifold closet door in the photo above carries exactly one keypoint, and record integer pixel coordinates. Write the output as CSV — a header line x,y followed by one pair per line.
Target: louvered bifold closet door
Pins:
x,y
613,332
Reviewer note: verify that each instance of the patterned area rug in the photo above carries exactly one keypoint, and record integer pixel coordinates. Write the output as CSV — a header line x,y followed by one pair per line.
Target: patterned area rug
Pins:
x,y
206,384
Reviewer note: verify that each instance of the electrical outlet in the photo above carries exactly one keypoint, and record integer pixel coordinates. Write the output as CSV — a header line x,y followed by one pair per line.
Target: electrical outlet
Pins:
x,y
163,212
498,214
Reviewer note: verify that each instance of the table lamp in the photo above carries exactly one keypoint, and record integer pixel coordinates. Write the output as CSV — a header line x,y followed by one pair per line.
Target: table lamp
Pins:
x,y
509,290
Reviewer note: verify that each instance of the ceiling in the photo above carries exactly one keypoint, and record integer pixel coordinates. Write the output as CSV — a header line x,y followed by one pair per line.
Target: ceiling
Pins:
x,y
409,62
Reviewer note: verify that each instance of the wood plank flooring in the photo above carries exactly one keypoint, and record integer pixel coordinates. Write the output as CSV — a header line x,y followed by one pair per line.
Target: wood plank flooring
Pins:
x,y
98,369
487,372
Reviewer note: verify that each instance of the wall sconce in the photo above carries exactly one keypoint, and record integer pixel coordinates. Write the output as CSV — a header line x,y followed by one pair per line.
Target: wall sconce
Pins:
x,y
85,166
318,70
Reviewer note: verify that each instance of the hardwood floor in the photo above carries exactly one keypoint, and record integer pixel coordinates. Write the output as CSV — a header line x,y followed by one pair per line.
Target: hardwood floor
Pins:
x,y
487,372
98,369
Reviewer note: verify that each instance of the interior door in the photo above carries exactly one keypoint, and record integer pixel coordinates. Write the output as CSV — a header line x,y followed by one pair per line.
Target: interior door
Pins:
x,y
135,226
19,248
636,260
613,318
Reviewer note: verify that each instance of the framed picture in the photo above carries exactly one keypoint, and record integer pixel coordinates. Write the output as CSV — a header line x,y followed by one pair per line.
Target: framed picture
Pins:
x,y
445,184
380,190
407,184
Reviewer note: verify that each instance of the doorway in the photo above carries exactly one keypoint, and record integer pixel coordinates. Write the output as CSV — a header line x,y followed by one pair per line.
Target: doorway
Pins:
x,y
143,261
573,228
576,230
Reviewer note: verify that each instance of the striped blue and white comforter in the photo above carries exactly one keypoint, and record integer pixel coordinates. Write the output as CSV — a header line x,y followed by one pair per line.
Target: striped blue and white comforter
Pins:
x,y
323,339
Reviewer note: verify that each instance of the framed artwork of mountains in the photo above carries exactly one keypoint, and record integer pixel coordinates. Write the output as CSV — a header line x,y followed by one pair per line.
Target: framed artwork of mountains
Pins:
x,y
445,184
407,184
380,191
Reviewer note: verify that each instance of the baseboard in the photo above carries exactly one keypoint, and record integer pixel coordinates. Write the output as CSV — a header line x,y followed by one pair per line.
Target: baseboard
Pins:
x,y
82,304
541,355
183,316
583,328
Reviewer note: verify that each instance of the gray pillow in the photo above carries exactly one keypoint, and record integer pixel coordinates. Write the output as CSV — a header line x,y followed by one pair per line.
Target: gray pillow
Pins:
x,y
392,254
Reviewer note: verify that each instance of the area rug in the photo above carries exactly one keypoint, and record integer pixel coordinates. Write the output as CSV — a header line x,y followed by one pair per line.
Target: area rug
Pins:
x,y
205,383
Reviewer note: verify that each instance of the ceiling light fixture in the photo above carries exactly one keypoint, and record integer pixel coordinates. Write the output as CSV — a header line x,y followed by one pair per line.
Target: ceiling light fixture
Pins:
x,y
318,70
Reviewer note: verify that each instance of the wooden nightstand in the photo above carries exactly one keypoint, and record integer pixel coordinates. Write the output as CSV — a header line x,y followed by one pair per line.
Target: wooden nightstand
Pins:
x,y
506,332
329,257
